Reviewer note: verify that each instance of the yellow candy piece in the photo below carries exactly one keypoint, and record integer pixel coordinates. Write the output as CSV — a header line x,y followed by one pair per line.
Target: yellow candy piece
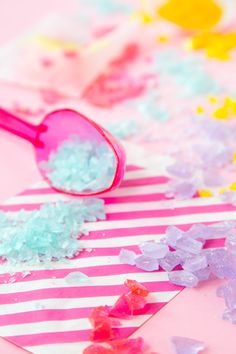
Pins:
x,y
212,99
191,14
55,44
222,190
232,187
163,39
199,110
221,113
234,157
216,44
205,193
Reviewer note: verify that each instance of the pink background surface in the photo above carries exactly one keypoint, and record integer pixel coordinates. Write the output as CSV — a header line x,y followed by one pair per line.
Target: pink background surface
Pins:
x,y
194,313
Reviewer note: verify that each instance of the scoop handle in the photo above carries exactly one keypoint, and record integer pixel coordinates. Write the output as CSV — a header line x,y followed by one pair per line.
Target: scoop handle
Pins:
x,y
19,127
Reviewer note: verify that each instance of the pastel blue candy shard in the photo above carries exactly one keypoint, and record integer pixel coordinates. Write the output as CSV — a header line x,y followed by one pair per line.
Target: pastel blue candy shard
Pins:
x,y
123,130
48,234
188,72
77,278
80,166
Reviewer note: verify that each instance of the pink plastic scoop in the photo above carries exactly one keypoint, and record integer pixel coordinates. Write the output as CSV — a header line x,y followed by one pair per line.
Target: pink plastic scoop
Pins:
x,y
74,154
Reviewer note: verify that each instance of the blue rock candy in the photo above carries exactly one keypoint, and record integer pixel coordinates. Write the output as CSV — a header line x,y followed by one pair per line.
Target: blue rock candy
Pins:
x,y
48,234
80,165
228,292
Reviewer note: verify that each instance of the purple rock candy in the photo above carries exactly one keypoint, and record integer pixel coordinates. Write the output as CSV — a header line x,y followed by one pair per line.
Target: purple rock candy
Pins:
x,y
147,263
230,315
183,278
127,257
195,263
203,274
173,234
188,244
222,263
170,261
230,242
180,169
181,190
228,292
185,345
153,249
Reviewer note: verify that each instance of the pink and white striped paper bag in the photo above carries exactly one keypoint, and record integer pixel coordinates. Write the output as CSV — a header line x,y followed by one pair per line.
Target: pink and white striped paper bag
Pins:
x,y
45,315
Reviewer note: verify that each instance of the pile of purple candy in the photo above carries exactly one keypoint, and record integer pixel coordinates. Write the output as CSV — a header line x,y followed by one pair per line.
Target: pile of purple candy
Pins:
x,y
183,255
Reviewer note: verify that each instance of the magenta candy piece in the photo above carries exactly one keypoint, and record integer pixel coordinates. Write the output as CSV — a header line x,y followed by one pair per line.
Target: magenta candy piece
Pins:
x,y
127,257
173,234
122,308
97,349
183,278
153,249
185,345
128,346
170,261
188,244
195,263
147,263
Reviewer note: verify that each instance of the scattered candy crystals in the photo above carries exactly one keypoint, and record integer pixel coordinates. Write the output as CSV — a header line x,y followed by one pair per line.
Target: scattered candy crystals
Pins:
x,y
102,323
81,166
48,234
186,71
123,130
191,14
185,249
208,167
184,345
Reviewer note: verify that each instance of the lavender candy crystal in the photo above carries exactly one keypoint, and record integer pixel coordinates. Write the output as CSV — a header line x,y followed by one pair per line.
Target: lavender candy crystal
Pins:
x,y
127,257
153,249
195,263
170,261
184,345
183,278
222,263
188,244
173,234
228,292
147,263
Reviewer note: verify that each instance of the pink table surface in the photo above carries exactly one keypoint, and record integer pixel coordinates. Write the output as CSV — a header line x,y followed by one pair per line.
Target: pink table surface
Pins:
x,y
195,313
